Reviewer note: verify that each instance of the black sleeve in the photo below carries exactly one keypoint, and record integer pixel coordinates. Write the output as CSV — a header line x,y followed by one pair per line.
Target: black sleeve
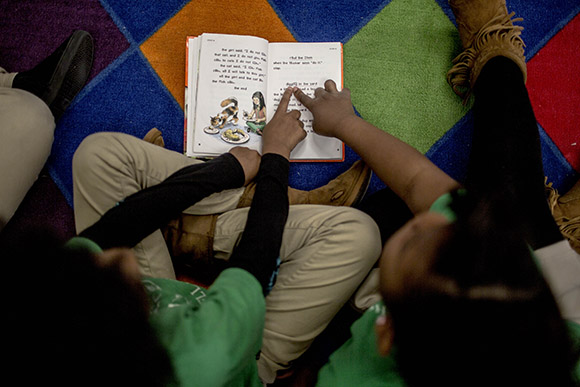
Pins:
x,y
140,214
259,248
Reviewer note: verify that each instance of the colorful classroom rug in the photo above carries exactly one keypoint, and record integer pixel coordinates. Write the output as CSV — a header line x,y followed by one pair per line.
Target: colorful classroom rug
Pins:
x,y
396,55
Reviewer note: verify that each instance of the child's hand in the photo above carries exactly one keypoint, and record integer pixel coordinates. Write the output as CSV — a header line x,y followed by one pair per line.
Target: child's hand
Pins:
x,y
249,159
284,131
331,108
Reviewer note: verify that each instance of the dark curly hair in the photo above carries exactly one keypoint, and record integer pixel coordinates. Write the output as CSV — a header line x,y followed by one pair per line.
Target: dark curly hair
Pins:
x,y
487,316
73,322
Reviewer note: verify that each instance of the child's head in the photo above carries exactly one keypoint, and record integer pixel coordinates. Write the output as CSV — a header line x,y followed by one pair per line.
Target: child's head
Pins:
x,y
468,305
75,319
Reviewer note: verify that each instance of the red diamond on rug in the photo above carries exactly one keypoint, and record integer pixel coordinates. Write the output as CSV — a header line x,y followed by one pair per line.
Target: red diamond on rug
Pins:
x,y
554,87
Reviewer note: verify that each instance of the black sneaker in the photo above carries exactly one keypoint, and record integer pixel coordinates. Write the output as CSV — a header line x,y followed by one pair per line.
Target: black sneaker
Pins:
x,y
59,78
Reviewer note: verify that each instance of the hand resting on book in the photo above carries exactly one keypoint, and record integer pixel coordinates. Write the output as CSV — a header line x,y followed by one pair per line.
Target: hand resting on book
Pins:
x,y
331,108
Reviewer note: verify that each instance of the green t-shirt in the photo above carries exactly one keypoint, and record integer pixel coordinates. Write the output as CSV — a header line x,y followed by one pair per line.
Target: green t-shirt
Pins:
x,y
358,362
212,336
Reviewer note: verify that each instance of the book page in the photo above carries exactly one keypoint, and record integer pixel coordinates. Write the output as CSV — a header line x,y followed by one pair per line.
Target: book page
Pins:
x,y
308,66
231,88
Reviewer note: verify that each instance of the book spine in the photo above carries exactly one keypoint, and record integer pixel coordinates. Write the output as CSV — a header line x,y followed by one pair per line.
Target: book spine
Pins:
x,y
186,104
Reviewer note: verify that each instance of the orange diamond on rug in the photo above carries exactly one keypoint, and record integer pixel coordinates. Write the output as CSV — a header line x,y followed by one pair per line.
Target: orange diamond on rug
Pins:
x,y
165,49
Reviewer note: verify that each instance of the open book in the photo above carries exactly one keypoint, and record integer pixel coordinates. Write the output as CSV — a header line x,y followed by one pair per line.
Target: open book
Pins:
x,y
234,84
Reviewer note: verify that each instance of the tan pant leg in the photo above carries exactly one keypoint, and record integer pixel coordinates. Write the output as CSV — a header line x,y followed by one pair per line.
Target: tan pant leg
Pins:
x,y
26,135
108,167
326,253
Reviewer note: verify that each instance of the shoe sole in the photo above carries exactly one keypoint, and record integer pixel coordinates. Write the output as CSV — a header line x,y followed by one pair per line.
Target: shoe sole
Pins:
x,y
71,73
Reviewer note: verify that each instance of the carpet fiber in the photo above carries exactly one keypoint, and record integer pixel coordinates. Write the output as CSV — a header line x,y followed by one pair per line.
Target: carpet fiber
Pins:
x,y
396,55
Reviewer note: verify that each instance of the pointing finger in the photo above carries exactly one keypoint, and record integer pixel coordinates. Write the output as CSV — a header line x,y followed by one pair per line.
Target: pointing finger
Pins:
x,y
284,101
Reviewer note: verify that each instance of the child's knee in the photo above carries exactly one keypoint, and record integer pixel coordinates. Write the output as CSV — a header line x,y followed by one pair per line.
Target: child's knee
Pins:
x,y
87,152
362,233
96,152
26,114
354,234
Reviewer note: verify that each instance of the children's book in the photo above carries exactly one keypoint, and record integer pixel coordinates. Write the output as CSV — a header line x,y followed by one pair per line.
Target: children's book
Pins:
x,y
234,84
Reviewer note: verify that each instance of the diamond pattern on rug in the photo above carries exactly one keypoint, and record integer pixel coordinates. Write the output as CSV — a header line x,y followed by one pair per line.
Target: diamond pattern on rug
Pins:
x,y
451,154
405,51
139,68
554,87
165,49
139,19
30,35
118,106
542,19
557,169
326,20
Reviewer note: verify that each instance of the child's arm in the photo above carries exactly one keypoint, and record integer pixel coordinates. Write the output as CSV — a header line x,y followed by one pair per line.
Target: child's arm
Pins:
x,y
405,170
259,247
248,116
143,212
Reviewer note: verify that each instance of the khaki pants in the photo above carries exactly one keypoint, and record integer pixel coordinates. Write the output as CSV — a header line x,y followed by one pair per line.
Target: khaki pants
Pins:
x,y
326,251
26,134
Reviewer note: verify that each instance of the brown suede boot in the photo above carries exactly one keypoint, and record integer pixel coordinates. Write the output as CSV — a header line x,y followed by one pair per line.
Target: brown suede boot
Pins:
x,y
566,212
345,190
155,137
191,236
486,31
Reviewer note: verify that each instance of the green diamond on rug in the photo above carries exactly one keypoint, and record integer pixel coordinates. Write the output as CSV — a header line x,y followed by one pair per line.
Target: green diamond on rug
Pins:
x,y
395,67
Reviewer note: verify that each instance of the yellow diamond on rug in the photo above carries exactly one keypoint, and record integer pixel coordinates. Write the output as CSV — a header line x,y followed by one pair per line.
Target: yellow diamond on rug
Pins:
x,y
165,49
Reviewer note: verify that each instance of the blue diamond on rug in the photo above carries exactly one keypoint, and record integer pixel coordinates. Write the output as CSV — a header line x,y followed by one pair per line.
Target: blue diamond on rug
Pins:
x,y
542,20
139,19
127,97
451,152
310,175
336,20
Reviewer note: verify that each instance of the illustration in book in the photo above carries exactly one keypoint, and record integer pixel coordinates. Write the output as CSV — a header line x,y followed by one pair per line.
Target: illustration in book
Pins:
x,y
227,125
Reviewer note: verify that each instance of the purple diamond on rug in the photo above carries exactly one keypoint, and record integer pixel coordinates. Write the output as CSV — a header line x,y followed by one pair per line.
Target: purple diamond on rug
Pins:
x,y
32,29
43,208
